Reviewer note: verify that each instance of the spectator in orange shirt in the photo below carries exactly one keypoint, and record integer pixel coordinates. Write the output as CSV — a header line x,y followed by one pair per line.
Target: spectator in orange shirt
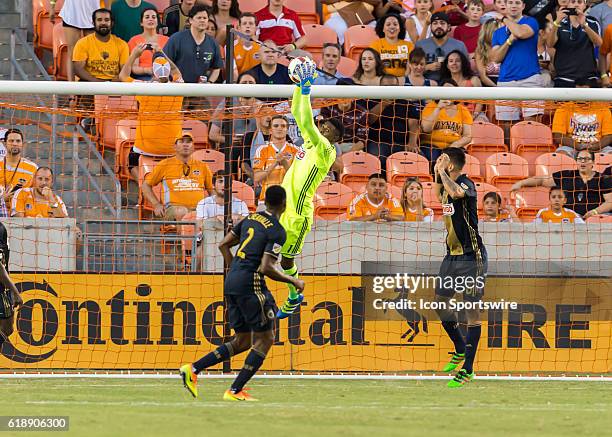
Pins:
x,y
246,53
15,171
493,210
556,213
185,181
272,160
376,204
392,45
39,200
449,124
579,126
149,20
412,202
159,117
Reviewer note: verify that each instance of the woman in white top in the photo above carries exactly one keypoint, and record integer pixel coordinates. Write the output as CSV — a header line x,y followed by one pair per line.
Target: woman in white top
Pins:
x,y
76,16
417,24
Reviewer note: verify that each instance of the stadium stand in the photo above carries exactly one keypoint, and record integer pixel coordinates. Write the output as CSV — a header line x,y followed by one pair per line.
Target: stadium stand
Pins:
x,y
529,139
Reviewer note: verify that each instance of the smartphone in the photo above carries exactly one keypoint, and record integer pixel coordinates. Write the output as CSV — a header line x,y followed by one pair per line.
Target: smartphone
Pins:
x,y
571,11
149,47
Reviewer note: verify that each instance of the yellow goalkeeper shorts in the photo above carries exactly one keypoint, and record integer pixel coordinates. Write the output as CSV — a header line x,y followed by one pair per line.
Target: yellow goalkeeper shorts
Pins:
x,y
296,227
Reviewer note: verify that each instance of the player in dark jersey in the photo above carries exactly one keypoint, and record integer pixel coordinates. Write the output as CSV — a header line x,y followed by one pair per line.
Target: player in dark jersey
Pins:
x,y
9,296
251,306
465,261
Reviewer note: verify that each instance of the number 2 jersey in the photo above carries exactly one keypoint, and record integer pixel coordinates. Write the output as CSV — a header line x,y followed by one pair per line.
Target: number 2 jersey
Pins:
x,y
259,233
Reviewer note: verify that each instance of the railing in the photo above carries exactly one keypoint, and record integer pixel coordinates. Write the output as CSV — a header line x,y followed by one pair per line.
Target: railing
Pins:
x,y
16,36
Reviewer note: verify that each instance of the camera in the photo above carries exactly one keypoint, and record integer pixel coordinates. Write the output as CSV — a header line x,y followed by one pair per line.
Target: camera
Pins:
x,y
571,11
148,47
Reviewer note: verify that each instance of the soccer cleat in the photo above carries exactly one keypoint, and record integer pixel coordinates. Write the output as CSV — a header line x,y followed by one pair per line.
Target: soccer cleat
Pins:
x,y
456,359
190,379
461,378
289,307
240,396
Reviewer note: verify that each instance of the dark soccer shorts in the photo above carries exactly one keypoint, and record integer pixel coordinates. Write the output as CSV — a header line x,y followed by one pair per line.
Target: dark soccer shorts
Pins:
x,y
6,304
463,274
251,312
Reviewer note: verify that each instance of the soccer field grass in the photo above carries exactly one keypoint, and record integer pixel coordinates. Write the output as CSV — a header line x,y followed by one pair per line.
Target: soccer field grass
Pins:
x,y
296,407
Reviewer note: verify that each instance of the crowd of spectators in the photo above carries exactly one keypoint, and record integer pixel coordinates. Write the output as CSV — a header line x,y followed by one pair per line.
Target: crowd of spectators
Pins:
x,y
504,43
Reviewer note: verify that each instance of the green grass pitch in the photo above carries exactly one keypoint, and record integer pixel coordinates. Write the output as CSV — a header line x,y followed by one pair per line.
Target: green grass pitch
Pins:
x,y
321,408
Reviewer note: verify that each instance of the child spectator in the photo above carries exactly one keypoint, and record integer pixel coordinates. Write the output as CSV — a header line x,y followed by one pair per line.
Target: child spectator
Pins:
x,y
468,32
246,52
556,213
412,202
417,24
492,208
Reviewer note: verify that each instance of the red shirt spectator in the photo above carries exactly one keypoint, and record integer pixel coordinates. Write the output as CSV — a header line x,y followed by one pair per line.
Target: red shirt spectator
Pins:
x,y
281,25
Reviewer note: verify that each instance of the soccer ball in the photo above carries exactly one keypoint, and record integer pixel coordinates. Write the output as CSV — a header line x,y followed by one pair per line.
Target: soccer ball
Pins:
x,y
294,63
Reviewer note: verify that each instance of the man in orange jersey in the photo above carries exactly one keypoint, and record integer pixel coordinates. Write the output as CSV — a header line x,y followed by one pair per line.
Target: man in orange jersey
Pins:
x,y
185,181
556,213
376,204
159,117
273,159
15,171
246,53
39,200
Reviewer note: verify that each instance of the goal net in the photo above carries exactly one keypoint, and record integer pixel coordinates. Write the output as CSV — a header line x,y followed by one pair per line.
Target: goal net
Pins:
x,y
116,285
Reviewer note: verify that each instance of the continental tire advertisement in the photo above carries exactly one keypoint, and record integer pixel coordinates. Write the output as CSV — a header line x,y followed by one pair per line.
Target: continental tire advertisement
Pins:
x,y
346,323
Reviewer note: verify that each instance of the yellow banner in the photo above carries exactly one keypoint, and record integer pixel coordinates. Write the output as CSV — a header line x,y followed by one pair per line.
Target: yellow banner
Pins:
x,y
135,321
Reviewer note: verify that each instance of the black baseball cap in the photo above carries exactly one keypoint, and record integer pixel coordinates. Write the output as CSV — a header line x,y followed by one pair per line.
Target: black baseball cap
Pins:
x,y
440,16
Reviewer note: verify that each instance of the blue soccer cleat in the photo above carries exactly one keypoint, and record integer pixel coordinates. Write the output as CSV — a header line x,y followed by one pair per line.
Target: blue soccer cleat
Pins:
x,y
289,307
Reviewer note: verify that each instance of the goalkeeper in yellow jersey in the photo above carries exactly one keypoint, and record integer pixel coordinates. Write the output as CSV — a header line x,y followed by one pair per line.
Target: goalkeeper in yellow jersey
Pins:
x,y
308,170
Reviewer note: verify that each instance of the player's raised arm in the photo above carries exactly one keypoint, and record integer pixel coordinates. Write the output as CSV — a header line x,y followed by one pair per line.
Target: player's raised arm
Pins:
x,y
301,108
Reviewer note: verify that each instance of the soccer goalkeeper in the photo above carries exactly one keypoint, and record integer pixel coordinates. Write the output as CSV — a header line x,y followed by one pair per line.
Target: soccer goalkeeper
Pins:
x,y
308,170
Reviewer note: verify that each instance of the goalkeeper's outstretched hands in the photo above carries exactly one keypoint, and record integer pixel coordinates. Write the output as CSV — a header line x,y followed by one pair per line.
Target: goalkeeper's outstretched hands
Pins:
x,y
307,72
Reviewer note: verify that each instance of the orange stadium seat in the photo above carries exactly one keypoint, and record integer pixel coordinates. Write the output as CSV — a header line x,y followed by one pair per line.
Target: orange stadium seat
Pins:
x,y
317,36
245,193
306,9
487,139
599,219
347,66
530,139
403,165
358,166
602,161
199,130
549,163
483,188
530,200
125,137
331,200
146,164
504,169
430,197
213,158
187,243
357,38
252,5
472,168
107,127
43,28
60,53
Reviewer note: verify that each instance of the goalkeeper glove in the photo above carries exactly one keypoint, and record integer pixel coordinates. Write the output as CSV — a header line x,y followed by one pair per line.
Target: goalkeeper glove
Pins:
x,y
307,73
